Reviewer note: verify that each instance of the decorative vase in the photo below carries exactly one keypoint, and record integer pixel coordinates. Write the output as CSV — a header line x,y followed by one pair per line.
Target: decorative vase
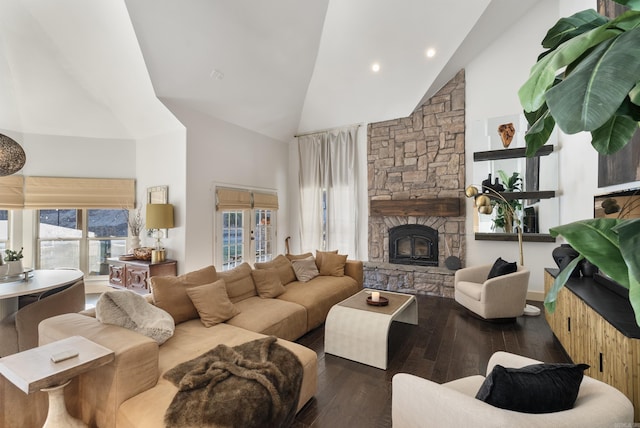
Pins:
x,y
563,255
587,268
134,242
14,268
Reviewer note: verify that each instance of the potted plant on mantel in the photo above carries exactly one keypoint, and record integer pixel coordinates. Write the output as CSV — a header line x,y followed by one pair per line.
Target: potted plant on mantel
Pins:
x,y
589,80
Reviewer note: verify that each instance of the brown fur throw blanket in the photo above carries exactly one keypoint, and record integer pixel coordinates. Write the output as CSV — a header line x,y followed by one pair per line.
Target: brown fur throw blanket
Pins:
x,y
256,384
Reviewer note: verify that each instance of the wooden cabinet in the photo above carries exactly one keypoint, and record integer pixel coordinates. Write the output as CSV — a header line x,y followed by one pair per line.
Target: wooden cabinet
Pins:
x,y
597,327
133,274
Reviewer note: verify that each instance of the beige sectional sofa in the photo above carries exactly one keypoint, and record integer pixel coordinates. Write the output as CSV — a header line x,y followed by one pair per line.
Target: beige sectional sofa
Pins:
x,y
131,392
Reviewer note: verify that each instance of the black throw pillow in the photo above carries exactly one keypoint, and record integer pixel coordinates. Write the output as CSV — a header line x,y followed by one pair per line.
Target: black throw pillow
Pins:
x,y
501,267
538,388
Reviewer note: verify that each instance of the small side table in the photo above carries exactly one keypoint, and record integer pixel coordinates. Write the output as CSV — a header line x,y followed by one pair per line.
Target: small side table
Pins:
x,y
33,370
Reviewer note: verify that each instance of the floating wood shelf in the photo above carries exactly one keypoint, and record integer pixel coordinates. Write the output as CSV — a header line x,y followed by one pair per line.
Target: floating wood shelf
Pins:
x,y
510,153
526,237
545,194
433,207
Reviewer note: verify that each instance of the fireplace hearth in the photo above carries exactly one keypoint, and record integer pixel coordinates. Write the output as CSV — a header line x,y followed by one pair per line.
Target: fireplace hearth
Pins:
x,y
413,244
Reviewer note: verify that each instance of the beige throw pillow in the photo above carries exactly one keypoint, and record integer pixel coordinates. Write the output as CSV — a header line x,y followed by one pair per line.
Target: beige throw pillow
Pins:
x,y
293,257
305,269
333,264
268,283
212,303
320,256
283,265
239,282
170,292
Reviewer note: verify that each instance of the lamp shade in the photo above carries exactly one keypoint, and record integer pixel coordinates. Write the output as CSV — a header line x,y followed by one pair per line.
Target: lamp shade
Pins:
x,y
12,157
159,216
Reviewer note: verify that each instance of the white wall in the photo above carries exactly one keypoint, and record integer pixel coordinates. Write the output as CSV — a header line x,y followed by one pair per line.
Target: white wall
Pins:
x,y
161,161
219,152
493,80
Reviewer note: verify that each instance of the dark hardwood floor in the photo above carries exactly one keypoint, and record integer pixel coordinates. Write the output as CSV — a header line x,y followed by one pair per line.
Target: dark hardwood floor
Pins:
x,y
448,343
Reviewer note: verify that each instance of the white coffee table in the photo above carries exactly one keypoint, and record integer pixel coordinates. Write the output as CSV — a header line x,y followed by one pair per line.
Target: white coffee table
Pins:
x,y
33,370
360,332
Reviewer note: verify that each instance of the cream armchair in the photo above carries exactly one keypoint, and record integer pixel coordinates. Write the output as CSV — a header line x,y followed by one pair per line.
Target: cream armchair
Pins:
x,y
500,297
418,402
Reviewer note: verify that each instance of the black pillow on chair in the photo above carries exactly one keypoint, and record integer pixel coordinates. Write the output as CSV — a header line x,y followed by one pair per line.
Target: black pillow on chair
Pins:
x,y
501,267
538,388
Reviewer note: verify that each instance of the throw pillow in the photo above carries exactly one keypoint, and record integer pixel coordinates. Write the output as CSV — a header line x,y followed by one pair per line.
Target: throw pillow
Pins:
x,y
169,292
239,283
212,303
538,388
501,267
293,257
283,265
333,264
320,256
130,310
268,282
305,269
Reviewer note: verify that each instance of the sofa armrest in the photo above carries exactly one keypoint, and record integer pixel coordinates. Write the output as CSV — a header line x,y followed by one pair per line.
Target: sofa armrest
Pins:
x,y
418,402
477,274
355,270
101,391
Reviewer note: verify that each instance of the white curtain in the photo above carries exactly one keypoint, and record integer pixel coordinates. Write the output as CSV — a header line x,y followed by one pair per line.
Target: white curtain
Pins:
x,y
328,175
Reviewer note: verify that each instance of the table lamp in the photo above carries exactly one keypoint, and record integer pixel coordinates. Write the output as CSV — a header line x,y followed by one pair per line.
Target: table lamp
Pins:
x,y
159,216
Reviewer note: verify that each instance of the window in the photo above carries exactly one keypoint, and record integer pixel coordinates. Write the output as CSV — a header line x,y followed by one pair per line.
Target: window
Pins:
x,y
4,230
246,227
81,238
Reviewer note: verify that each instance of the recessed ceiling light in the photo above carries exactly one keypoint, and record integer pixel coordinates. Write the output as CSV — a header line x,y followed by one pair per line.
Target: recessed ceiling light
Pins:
x,y
431,52
375,67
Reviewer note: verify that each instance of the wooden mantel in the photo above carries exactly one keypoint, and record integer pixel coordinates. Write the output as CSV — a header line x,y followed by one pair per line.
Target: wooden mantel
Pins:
x,y
431,207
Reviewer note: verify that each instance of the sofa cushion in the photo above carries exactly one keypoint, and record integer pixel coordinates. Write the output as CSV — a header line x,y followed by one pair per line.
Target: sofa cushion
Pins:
x,y
275,317
501,267
471,289
239,282
319,295
212,303
283,265
268,282
537,388
305,269
320,256
169,292
332,264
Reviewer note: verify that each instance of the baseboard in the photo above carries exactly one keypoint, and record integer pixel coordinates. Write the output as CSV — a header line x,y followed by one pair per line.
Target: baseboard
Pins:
x,y
536,296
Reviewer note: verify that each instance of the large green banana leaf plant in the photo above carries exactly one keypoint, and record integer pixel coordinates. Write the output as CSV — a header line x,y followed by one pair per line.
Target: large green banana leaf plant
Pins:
x,y
588,80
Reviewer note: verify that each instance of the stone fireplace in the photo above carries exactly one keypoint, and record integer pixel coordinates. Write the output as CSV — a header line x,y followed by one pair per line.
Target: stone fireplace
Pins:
x,y
416,195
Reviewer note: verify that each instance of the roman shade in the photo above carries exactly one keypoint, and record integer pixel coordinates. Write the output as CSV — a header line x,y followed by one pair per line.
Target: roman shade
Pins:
x,y
232,199
265,200
11,192
62,192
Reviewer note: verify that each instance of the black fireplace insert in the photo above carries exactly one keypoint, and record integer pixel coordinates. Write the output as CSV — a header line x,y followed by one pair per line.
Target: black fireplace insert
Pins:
x,y
413,244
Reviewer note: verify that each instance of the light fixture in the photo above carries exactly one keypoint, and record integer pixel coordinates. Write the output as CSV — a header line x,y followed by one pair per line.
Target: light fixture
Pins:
x,y
430,53
12,157
159,216
483,204
375,67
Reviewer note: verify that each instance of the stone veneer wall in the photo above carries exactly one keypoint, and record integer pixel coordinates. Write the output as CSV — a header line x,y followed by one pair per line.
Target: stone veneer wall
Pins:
x,y
420,156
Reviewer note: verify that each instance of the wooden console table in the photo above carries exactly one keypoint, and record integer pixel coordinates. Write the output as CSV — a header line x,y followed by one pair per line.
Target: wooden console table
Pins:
x,y
597,326
133,274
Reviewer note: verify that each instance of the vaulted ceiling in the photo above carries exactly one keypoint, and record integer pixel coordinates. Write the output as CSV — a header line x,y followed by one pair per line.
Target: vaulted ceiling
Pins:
x,y
278,67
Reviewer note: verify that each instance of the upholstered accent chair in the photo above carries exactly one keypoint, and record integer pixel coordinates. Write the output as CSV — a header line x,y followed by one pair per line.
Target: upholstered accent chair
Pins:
x,y
19,331
501,297
418,402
